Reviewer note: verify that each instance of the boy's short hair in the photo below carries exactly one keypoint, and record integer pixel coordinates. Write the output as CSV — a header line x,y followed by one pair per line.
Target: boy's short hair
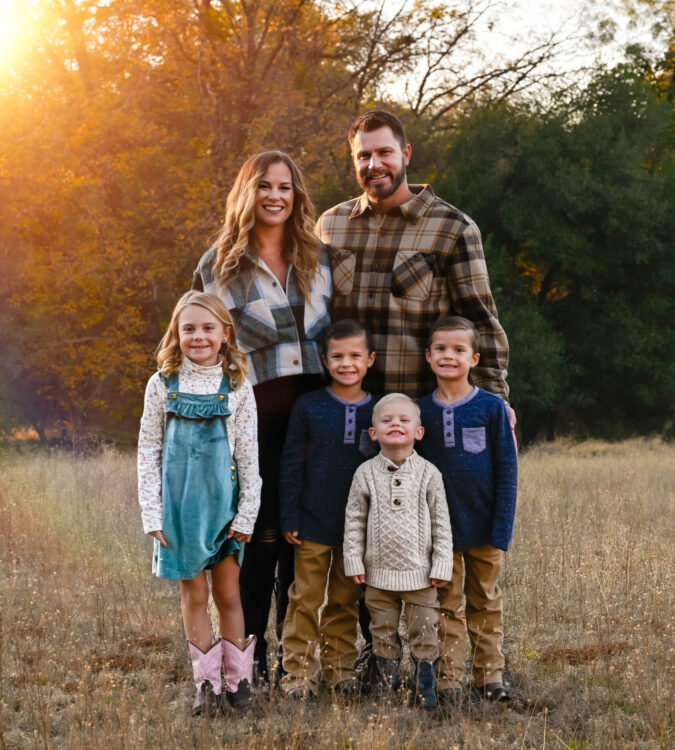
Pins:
x,y
345,329
396,397
455,323
374,119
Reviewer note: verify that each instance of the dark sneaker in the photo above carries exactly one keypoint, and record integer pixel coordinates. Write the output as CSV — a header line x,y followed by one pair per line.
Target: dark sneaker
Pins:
x,y
450,697
348,687
495,692
301,694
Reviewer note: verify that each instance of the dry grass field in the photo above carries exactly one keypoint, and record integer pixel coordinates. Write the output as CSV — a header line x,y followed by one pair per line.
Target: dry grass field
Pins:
x,y
92,653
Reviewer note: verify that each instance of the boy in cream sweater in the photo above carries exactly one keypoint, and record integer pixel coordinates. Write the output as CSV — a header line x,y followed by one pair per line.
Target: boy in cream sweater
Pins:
x,y
398,542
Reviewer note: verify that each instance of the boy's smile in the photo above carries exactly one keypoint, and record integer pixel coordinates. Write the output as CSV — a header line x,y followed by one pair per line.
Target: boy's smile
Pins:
x,y
396,426
347,360
451,354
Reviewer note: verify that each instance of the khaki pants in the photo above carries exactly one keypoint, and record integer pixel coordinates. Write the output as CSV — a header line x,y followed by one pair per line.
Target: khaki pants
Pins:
x,y
421,609
480,567
318,566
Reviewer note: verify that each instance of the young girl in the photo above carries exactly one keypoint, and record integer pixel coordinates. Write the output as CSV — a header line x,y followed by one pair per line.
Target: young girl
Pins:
x,y
199,487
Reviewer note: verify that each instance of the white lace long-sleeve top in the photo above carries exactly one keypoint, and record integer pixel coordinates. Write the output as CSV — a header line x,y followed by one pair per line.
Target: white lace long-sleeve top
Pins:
x,y
242,434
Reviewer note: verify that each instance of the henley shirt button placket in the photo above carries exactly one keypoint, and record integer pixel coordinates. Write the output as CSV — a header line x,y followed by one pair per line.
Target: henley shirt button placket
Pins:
x,y
449,428
349,427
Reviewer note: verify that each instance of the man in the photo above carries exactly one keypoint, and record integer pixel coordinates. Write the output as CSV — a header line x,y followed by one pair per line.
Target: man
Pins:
x,y
400,258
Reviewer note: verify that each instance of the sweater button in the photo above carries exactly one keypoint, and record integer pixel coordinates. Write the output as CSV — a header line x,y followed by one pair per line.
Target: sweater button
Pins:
x,y
397,482
398,501
296,362
391,468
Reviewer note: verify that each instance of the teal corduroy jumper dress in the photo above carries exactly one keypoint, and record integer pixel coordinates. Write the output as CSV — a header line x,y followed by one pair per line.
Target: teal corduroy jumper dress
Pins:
x,y
200,490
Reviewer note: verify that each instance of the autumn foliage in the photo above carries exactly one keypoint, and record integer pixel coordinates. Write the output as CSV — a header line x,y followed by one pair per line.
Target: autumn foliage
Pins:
x,y
123,124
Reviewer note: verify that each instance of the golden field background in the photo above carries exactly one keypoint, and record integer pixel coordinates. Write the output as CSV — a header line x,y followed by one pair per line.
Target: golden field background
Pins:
x,y
92,653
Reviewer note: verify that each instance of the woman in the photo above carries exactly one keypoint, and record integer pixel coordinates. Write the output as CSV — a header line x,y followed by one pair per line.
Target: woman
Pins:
x,y
269,268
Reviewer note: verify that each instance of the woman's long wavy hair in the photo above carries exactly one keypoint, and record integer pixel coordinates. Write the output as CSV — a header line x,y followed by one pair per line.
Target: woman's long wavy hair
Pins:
x,y
169,356
301,245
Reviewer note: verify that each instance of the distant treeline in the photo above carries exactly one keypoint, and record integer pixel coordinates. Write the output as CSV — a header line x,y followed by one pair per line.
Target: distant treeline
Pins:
x,y
122,130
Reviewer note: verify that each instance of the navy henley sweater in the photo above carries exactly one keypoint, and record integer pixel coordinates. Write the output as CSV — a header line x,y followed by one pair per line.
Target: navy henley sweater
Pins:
x,y
327,439
470,442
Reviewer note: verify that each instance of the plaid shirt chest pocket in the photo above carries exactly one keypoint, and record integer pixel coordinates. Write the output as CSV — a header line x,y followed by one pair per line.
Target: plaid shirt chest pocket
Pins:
x,y
343,267
256,326
412,275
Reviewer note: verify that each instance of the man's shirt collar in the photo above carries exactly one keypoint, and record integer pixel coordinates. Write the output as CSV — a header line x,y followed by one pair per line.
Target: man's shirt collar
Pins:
x,y
410,210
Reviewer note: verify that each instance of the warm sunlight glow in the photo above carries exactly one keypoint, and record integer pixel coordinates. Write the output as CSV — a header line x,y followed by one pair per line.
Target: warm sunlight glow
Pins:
x,y
10,30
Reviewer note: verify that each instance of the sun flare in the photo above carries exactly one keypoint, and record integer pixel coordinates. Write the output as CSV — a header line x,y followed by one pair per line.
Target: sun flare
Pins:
x,y
10,30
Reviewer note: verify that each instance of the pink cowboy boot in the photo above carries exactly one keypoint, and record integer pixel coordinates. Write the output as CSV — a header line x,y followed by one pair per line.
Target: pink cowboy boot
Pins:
x,y
238,665
208,681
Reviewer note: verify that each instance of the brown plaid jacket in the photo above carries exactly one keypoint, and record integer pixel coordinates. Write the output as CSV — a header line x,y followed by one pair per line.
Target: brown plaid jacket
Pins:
x,y
397,273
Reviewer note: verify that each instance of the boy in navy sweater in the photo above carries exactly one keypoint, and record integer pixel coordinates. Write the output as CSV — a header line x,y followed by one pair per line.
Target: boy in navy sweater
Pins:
x,y
327,439
468,437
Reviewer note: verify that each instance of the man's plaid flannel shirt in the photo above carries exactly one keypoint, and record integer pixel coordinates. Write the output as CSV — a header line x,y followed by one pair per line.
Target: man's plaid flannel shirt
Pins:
x,y
398,272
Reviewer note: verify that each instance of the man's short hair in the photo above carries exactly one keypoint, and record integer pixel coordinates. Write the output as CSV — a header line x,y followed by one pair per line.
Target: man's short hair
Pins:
x,y
455,323
345,329
375,119
396,397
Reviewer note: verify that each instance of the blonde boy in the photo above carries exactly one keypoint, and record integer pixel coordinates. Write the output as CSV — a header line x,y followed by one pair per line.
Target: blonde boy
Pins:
x,y
398,542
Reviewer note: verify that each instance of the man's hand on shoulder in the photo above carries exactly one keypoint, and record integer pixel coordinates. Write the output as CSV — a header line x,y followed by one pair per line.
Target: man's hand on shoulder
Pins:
x,y
512,423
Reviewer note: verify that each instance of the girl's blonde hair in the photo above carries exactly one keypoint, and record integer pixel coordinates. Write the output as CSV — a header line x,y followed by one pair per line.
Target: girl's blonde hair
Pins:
x,y
169,355
301,245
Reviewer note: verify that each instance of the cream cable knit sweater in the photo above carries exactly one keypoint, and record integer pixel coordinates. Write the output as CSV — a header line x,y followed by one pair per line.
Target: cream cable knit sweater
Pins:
x,y
397,526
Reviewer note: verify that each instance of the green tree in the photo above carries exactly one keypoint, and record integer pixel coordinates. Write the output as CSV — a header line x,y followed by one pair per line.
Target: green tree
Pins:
x,y
578,221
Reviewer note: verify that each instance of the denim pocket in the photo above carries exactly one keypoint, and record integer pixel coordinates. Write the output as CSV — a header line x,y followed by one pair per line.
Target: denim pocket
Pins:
x,y
412,275
473,439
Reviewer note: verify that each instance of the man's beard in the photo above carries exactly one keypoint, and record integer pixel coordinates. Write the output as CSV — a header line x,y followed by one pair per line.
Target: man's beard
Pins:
x,y
380,192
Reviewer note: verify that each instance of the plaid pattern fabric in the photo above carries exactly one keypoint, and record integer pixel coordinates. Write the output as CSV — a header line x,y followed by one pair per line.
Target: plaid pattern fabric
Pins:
x,y
277,330
397,273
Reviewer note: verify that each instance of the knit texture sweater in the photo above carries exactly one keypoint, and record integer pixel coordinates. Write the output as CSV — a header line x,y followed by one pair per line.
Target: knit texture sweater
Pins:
x,y
397,529
471,443
327,439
